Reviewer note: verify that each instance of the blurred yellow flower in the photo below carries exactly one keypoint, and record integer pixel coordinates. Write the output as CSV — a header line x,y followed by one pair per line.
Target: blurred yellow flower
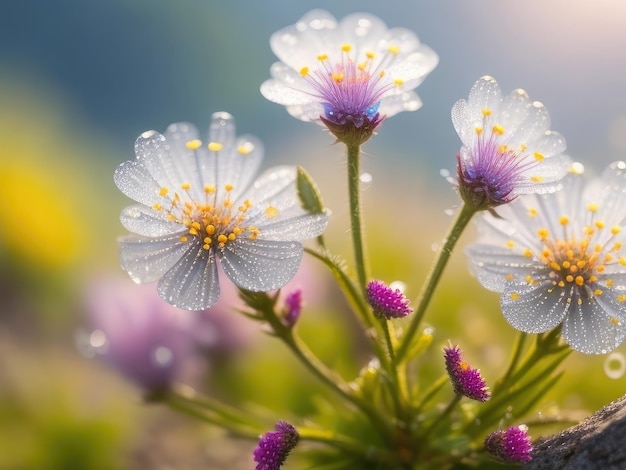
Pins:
x,y
36,220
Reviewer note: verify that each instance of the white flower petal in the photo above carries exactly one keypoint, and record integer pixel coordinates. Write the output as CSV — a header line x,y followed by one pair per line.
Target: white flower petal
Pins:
x,y
298,45
363,31
414,68
286,87
147,222
464,124
136,182
147,259
535,125
307,112
275,186
153,151
222,130
188,162
302,227
590,330
495,267
393,104
192,283
485,94
534,308
261,265
514,110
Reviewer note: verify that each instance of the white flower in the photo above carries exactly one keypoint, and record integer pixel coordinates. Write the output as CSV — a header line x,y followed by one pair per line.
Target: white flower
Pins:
x,y
198,202
346,72
507,149
559,259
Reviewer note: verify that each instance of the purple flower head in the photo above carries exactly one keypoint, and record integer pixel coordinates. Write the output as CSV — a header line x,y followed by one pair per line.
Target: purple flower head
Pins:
x,y
149,341
387,302
348,75
293,307
507,147
274,446
466,380
511,445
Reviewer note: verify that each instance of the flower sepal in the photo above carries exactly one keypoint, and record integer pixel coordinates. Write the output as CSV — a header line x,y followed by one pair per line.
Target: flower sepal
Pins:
x,y
349,133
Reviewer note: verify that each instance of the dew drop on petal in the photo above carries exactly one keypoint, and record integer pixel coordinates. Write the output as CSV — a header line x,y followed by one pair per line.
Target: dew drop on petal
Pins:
x,y
163,356
615,365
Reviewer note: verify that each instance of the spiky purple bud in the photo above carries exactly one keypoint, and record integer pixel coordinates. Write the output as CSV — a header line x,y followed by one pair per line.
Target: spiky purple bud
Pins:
x,y
511,445
293,307
466,380
387,302
274,446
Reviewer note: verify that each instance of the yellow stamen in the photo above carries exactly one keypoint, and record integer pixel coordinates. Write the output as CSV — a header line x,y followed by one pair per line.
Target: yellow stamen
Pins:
x,y
215,146
194,144
271,212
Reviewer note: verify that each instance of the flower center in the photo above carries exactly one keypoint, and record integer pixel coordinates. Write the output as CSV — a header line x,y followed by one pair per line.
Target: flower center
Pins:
x,y
579,261
493,156
209,215
351,88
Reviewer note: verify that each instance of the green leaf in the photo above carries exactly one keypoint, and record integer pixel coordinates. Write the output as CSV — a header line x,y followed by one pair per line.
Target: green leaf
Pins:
x,y
308,193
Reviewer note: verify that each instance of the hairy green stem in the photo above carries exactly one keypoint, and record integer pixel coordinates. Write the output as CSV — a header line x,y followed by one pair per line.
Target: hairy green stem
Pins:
x,y
465,215
354,191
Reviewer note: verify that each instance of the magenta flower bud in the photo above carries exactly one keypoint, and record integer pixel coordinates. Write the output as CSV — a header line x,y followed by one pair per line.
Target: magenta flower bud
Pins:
x,y
466,380
511,445
293,307
387,302
274,446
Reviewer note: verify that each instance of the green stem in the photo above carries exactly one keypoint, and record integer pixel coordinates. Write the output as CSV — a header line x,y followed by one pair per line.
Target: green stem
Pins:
x,y
184,406
354,191
184,393
346,444
332,379
465,215
455,401
348,285
515,357
317,367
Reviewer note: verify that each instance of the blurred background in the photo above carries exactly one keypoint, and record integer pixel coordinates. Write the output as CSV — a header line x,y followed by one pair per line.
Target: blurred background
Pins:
x,y
79,81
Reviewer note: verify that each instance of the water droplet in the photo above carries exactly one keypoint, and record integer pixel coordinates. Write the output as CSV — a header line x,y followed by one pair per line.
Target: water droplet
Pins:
x,y
449,212
97,339
163,356
374,363
91,344
401,286
577,168
435,247
445,173
615,365
366,180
